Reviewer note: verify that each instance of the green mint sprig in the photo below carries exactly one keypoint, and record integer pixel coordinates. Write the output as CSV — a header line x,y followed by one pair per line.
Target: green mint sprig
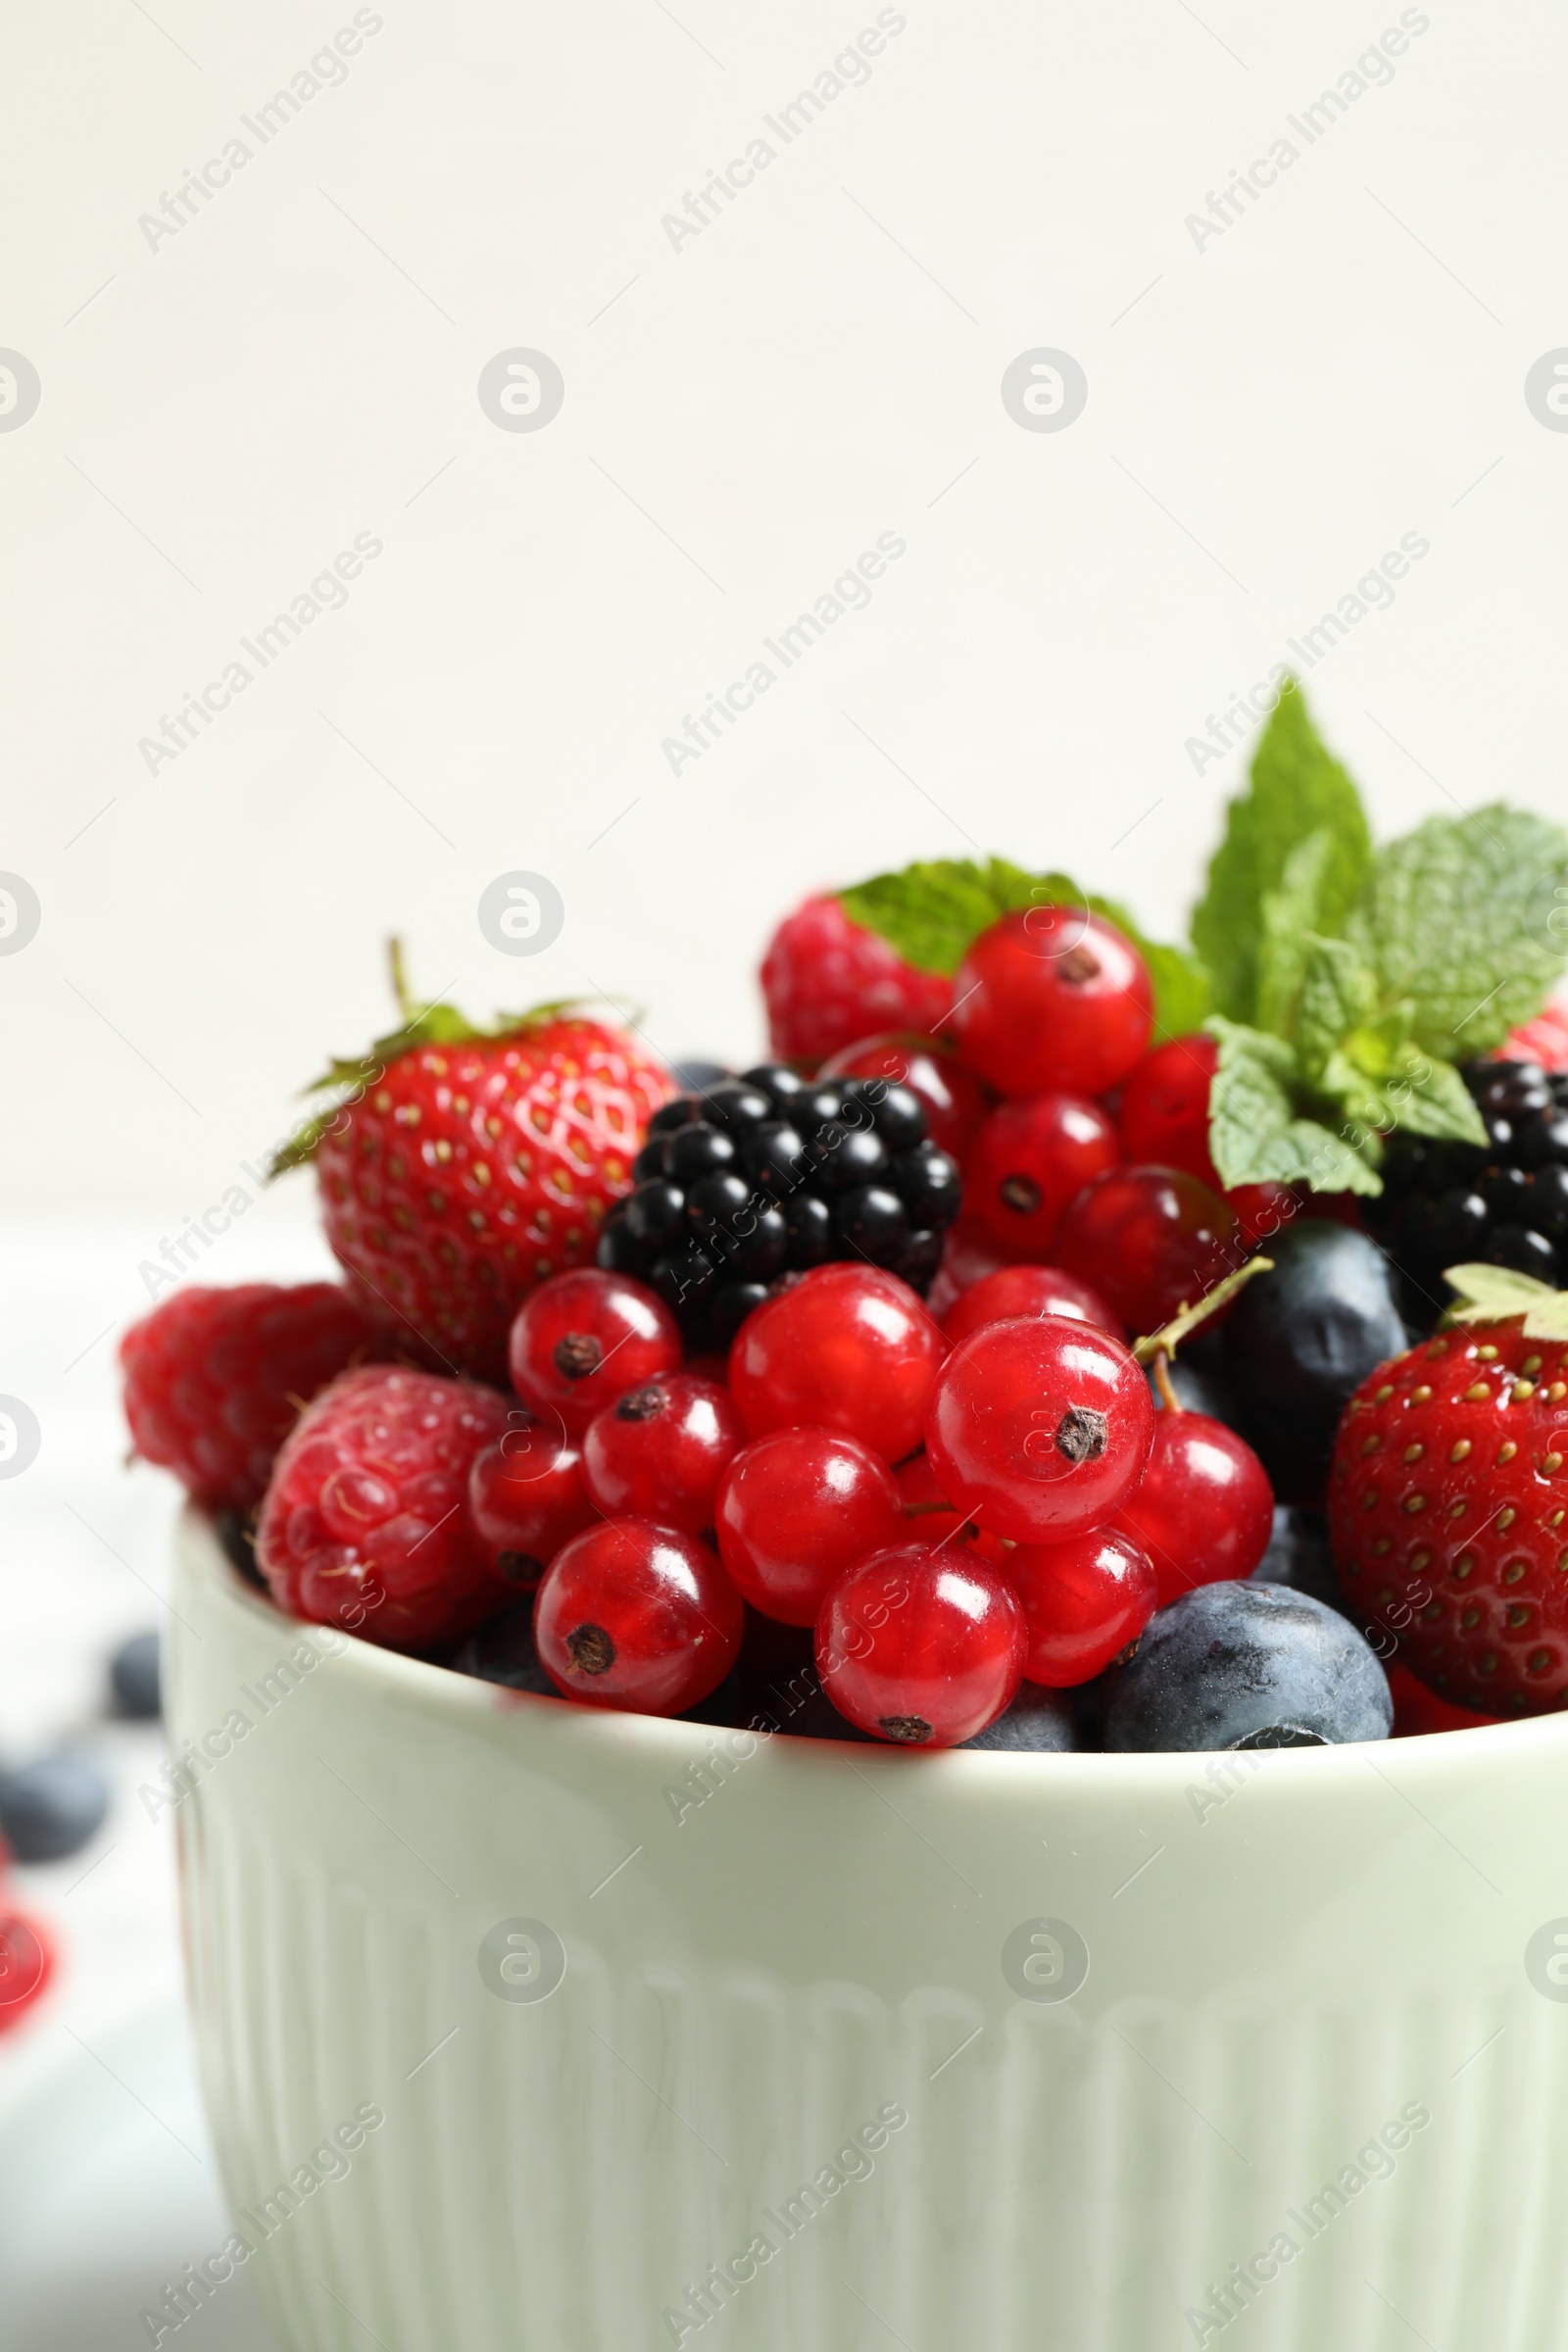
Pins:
x,y
1344,983
1354,980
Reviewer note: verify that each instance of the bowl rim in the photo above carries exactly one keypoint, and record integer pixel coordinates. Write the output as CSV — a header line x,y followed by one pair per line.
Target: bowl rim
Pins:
x,y
427,1688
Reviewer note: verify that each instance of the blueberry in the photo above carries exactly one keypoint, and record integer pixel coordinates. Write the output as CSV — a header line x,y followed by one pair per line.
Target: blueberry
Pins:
x,y
1299,1342
1039,1720
1298,1556
501,1650
133,1677
52,1807
1247,1665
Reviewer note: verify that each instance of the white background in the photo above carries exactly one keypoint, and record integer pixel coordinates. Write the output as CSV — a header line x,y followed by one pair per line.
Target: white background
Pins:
x,y
222,414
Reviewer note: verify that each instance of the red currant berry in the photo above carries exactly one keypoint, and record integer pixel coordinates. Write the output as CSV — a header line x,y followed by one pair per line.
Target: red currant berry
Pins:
x,y
921,1645
1163,1112
847,1347
1038,1428
952,1098
1263,1211
637,1617
967,1253
1026,1291
796,1508
27,1964
525,1499
1031,1158
1083,1601
582,1339
660,1451
1204,1510
1053,997
1150,1240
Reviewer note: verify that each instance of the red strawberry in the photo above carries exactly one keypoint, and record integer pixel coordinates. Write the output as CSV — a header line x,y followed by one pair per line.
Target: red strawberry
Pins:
x,y
214,1379
1449,1504
829,983
466,1165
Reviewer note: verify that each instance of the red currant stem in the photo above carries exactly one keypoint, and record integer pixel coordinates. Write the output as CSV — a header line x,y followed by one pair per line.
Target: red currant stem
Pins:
x,y
1189,1318
1162,1382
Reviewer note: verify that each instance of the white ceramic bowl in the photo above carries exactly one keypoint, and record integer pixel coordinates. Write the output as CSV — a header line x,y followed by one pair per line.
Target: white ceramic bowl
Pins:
x,y
1290,2059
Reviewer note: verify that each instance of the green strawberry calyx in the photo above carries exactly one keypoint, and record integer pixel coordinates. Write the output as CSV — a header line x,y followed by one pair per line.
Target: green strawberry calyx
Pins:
x,y
429,1023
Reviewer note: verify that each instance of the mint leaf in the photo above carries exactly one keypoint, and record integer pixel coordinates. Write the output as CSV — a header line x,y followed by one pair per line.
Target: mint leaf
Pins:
x,y
1439,1104
1287,917
1338,993
1296,790
1255,1133
931,912
1457,916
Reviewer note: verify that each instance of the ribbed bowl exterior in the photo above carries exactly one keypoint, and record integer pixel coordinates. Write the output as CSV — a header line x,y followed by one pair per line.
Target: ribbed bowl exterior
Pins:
x,y
1289,2065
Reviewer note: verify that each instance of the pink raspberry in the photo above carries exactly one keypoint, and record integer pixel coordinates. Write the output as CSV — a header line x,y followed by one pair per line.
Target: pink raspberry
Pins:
x,y
828,983
363,1525
214,1379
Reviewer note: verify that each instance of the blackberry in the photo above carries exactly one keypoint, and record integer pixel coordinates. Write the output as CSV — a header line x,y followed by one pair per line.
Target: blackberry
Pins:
x,y
1503,1202
768,1174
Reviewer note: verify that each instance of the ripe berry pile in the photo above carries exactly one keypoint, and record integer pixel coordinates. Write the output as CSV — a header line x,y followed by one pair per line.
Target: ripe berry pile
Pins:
x,y
1504,1202
844,1431
772,1172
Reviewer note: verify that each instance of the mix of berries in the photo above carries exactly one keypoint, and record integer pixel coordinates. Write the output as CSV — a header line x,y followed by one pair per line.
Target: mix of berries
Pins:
x,y
773,1172
810,1396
